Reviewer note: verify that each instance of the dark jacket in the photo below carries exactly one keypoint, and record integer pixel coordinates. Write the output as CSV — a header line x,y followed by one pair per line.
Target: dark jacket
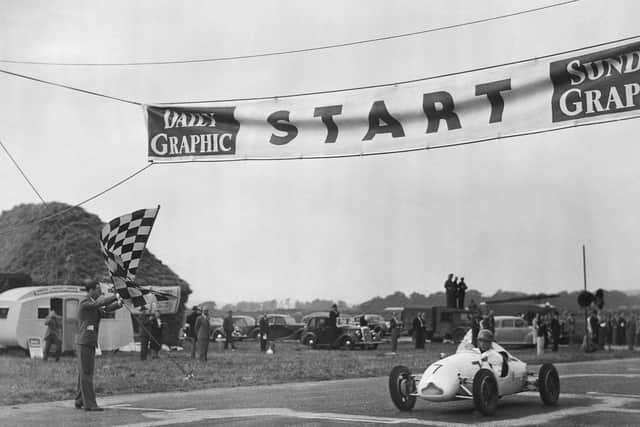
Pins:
x,y
333,318
54,326
89,315
191,321
227,325
263,325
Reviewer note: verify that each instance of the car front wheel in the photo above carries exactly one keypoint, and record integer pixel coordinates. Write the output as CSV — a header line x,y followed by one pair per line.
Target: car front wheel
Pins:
x,y
549,384
485,392
401,386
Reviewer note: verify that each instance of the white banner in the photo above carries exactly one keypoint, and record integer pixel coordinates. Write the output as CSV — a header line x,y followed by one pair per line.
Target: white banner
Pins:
x,y
587,86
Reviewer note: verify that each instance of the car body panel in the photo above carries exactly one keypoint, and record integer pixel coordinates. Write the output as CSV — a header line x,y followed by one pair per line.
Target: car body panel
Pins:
x,y
513,331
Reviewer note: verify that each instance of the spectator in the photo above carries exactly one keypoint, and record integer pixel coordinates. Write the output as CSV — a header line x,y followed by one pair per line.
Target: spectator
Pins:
x,y
606,330
263,326
333,322
156,326
622,329
53,335
475,328
145,334
631,332
227,326
489,322
594,328
473,307
450,291
191,329
363,321
541,331
571,327
203,330
555,331
394,326
418,330
460,292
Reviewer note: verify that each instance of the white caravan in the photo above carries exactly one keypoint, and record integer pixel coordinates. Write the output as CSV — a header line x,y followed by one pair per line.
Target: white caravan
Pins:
x,y
24,310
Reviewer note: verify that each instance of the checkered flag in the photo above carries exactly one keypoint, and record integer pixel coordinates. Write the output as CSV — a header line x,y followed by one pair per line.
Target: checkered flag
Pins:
x,y
122,241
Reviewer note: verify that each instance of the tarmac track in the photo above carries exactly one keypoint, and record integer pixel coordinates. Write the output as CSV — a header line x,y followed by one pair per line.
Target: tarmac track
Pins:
x,y
601,393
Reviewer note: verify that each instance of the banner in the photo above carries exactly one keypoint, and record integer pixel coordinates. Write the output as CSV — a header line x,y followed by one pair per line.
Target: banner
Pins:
x,y
582,87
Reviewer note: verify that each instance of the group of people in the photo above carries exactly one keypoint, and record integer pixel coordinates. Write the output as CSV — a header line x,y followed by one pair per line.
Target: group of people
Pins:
x,y
547,329
151,328
455,291
606,329
199,330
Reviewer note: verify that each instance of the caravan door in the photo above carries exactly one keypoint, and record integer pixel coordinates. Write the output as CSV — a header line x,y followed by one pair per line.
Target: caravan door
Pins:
x,y
70,324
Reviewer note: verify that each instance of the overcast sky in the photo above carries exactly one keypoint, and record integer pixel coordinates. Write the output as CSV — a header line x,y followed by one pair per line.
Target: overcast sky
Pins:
x,y
510,214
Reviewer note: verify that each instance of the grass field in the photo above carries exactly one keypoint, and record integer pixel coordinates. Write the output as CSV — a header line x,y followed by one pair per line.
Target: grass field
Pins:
x,y
24,380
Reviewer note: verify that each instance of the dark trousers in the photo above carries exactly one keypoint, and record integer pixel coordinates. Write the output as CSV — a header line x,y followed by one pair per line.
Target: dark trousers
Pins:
x,y
47,347
228,340
194,342
460,300
419,338
555,338
263,342
86,395
203,346
144,347
395,333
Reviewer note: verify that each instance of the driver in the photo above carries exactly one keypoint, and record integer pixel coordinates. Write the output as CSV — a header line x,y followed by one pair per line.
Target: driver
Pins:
x,y
492,354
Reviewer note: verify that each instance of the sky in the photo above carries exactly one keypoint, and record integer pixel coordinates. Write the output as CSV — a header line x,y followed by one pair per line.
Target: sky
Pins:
x,y
509,214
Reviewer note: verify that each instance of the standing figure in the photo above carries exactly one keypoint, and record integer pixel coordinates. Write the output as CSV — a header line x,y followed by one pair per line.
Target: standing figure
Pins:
x,y
475,327
262,332
555,332
227,325
90,311
156,334
145,335
606,331
418,330
363,321
594,328
333,322
450,291
53,335
460,291
394,326
191,329
541,331
631,332
203,330
622,329
571,327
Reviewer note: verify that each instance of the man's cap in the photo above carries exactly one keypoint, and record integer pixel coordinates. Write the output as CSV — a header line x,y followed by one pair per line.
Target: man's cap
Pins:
x,y
485,335
90,284
334,306
195,308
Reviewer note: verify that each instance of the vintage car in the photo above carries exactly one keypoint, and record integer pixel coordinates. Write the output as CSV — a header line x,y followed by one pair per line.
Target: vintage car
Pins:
x,y
242,327
468,374
375,322
281,326
513,331
318,334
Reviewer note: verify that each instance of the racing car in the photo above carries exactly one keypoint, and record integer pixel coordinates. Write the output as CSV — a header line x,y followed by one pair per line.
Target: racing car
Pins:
x,y
483,376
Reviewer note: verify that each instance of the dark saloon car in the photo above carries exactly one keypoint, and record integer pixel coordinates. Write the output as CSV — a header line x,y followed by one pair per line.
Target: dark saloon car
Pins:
x,y
375,322
242,327
281,326
318,334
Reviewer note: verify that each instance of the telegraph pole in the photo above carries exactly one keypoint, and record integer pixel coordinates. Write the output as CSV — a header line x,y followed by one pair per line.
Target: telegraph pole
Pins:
x,y
585,341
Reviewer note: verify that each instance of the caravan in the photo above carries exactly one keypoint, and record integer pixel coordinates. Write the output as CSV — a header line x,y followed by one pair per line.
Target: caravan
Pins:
x,y
24,310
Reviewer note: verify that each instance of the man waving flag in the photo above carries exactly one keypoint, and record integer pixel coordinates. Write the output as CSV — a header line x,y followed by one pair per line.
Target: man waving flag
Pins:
x,y
123,241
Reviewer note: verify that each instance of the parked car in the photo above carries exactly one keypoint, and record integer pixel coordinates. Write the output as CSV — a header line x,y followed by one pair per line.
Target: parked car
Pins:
x,y
375,322
242,327
317,334
513,331
281,326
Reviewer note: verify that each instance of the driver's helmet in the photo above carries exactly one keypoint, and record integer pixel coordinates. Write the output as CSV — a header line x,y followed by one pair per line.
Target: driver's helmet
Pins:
x,y
485,335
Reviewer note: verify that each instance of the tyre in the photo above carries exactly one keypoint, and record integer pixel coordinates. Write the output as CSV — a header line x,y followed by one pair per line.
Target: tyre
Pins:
x,y
401,385
549,384
347,343
308,340
485,392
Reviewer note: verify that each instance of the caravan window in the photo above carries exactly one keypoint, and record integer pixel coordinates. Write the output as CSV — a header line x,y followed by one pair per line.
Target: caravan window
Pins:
x,y
43,312
4,312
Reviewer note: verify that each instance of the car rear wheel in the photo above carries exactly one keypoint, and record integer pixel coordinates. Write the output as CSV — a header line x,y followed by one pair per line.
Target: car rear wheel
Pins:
x,y
309,341
485,392
401,386
549,384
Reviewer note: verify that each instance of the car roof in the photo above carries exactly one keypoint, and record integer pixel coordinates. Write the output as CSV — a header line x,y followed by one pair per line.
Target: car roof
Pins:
x,y
507,317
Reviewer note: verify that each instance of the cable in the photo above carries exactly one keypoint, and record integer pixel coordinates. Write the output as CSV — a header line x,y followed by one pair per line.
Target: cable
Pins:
x,y
294,51
22,172
472,70
421,79
24,76
122,181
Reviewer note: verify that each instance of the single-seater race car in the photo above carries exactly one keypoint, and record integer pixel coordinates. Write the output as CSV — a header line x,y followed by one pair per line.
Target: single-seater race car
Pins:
x,y
483,375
